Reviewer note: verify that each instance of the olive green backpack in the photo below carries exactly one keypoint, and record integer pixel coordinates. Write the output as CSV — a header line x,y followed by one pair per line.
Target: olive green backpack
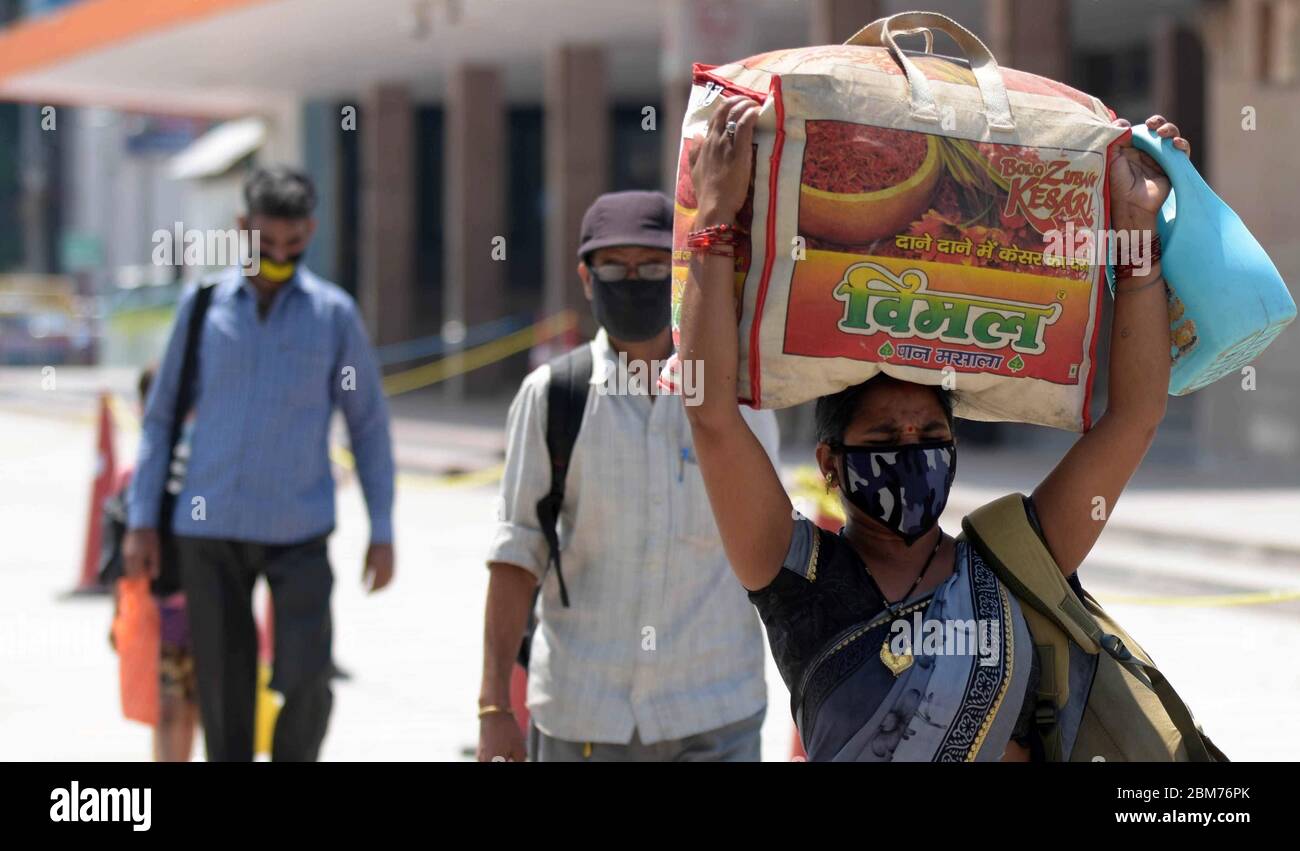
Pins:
x,y
1100,697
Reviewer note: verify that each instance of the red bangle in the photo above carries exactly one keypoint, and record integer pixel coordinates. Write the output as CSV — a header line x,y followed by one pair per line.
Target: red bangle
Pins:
x,y
715,239
1128,270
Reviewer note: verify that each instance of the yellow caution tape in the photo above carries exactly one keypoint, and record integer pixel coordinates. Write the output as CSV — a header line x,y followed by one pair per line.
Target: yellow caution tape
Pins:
x,y
481,355
423,376
473,478
1248,598
810,487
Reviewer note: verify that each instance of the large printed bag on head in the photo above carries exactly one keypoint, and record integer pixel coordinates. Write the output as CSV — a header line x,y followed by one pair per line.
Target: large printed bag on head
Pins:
x,y
912,214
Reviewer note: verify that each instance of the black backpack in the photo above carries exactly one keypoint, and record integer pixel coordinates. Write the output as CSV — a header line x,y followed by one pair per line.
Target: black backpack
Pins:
x,y
566,399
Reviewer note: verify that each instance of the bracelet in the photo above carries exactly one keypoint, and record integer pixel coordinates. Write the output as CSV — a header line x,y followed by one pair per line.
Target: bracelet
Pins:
x,y
714,239
491,709
1158,279
1128,270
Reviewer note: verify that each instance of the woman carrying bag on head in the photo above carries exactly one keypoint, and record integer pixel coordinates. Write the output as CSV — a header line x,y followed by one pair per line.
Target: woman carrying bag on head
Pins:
x,y
833,604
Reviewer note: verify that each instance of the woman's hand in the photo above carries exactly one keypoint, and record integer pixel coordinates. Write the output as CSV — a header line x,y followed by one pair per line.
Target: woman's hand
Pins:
x,y
1138,186
721,162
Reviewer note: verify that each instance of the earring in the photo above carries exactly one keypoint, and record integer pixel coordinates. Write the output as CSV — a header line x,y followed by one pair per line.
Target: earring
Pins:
x,y
830,481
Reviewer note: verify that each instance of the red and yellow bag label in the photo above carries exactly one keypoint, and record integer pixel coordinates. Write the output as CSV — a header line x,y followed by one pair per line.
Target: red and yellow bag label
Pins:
x,y
936,252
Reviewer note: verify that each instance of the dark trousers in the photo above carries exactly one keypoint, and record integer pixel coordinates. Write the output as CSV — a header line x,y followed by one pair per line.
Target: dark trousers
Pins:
x,y
218,578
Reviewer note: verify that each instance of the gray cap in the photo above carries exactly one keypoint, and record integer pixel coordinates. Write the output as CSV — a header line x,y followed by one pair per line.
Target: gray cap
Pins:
x,y
637,218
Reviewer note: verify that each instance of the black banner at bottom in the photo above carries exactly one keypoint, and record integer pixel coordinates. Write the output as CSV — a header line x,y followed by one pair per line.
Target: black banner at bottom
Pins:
x,y
210,801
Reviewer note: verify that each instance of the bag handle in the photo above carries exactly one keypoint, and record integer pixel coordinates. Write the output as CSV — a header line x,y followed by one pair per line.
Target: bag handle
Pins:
x,y
885,31
924,32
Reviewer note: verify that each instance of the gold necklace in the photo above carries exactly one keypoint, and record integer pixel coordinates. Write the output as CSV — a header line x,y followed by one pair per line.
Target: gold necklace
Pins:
x,y
897,663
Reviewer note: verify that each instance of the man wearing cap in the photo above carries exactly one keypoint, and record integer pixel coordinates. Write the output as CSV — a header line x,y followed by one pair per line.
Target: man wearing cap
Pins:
x,y
645,649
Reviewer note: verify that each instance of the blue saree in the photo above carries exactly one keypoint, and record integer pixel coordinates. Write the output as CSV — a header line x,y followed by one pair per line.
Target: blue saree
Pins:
x,y
966,670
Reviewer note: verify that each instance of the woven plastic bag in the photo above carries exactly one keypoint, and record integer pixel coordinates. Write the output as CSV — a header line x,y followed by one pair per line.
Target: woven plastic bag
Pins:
x,y
915,215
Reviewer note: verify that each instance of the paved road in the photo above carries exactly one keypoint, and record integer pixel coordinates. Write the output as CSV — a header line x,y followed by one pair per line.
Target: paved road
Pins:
x,y
414,650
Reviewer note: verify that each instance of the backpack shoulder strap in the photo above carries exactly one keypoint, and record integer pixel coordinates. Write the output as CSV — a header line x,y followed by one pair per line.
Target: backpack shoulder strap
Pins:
x,y
566,399
1002,533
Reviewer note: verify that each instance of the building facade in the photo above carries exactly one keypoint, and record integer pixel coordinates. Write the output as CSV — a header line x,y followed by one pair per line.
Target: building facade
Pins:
x,y
434,127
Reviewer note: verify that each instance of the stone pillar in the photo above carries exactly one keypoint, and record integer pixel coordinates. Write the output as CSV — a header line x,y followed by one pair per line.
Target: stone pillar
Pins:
x,y
38,158
676,94
576,128
1178,81
387,249
1030,35
320,153
475,172
833,21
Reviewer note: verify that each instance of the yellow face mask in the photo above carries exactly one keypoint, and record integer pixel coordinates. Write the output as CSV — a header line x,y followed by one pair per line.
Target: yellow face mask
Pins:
x,y
275,272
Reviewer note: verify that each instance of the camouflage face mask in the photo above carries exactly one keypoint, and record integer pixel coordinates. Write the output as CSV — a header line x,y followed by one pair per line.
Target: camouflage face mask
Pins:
x,y
905,487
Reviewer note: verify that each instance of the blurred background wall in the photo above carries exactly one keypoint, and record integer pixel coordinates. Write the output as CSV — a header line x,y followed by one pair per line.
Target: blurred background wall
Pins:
x,y
432,126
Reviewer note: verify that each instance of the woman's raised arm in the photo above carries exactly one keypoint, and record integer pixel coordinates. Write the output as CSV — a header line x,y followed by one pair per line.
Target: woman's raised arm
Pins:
x,y
750,505
1076,499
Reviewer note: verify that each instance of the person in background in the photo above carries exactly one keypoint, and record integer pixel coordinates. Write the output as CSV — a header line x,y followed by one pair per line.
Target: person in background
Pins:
x,y
280,350
178,707
655,655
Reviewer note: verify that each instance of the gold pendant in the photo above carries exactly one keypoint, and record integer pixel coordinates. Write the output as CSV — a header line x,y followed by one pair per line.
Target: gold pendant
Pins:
x,y
896,663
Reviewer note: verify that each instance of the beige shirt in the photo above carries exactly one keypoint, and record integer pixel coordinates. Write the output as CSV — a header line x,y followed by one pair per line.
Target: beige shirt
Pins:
x,y
660,636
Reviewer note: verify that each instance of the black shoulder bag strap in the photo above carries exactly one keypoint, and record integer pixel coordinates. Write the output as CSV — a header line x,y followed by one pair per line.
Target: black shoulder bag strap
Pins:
x,y
566,399
168,578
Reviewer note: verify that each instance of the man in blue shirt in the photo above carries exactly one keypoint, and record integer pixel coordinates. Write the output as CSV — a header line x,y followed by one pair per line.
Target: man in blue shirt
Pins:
x,y
279,350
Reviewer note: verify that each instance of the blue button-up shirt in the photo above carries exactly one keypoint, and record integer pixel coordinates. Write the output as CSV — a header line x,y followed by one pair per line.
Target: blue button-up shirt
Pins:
x,y
258,467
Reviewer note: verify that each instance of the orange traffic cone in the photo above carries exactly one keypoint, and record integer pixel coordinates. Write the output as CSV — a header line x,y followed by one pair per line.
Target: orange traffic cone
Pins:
x,y
100,489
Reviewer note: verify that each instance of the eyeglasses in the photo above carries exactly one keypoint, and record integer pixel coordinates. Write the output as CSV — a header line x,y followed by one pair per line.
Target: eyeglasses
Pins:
x,y
612,273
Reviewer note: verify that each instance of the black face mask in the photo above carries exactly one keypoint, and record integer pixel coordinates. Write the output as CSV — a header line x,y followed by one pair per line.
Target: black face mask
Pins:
x,y
632,311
